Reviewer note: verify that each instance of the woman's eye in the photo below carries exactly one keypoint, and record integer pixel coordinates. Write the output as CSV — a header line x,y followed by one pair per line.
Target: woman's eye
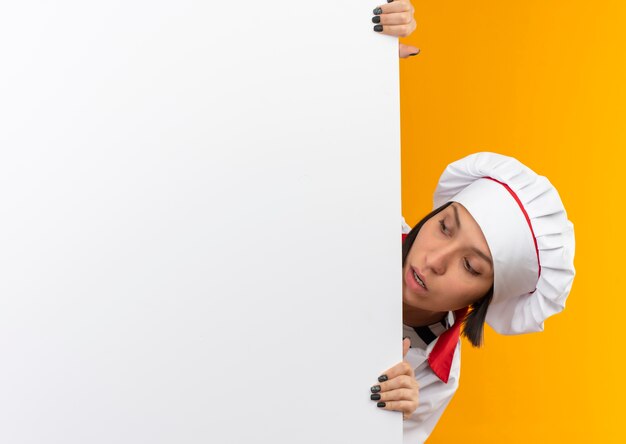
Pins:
x,y
444,229
469,268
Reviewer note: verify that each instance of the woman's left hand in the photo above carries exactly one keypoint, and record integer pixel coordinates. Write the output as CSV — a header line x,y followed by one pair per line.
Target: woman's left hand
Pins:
x,y
398,389
396,18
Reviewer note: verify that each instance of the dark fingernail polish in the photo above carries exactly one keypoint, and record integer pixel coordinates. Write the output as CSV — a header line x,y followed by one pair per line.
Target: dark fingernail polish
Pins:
x,y
375,397
389,1
415,53
375,389
378,11
382,378
376,19
378,28
381,404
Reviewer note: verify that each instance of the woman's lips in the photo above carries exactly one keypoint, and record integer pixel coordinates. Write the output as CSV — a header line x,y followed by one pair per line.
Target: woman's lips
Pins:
x,y
412,282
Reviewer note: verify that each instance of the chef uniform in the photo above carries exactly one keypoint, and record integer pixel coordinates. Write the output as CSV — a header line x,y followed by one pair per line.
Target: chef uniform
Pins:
x,y
532,246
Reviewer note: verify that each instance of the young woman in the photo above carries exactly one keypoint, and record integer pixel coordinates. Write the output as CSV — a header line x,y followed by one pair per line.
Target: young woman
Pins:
x,y
498,248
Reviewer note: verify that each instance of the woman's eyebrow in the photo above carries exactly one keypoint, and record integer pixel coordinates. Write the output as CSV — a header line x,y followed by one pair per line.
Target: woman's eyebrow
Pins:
x,y
483,255
476,250
456,216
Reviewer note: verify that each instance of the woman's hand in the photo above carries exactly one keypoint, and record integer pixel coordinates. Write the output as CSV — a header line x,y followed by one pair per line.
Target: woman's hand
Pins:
x,y
396,18
398,390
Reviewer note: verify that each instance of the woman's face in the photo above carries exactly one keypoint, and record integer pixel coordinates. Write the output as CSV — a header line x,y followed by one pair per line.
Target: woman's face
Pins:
x,y
451,258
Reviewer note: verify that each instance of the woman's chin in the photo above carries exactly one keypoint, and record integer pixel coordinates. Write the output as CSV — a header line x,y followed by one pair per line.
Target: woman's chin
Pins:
x,y
420,302
413,300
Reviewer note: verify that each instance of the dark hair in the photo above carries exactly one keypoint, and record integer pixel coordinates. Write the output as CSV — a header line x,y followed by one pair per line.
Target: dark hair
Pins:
x,y
473,324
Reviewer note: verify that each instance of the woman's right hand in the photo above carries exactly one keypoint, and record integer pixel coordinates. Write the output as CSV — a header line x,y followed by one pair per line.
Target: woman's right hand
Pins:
x,y
398,389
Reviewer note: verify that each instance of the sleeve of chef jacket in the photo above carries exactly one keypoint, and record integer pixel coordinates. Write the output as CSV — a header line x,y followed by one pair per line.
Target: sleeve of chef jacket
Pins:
x,y
434,394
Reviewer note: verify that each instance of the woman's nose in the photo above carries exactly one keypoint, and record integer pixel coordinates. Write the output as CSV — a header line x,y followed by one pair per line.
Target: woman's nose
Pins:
x,y
437,261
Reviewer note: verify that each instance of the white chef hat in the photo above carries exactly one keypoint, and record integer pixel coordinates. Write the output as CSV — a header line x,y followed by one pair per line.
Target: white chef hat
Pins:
x,y
528,233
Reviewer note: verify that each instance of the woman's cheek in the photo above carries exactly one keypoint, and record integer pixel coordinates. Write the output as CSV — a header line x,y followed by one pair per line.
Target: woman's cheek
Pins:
x,y
462,294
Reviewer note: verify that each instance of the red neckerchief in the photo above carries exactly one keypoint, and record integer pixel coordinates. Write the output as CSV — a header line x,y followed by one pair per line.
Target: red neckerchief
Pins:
x,y
440,357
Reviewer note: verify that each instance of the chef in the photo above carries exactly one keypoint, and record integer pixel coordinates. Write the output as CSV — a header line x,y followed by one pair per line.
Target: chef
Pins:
x,y
497,248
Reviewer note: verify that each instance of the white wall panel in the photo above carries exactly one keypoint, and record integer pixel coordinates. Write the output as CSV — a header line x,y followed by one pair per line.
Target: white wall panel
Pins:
x,y
199,222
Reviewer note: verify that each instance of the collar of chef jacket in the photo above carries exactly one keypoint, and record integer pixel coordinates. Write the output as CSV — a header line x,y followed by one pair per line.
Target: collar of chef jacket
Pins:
x,y
421,337
441,343
435,343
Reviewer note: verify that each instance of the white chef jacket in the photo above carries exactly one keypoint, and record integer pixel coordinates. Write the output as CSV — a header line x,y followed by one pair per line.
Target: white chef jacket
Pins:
x,y
434,394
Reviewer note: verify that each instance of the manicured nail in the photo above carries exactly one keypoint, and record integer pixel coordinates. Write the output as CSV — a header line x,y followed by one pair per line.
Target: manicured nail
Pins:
x,y
416,53
378,28
375,397
375,389
378,11
389,1
376,19
382,378
381,404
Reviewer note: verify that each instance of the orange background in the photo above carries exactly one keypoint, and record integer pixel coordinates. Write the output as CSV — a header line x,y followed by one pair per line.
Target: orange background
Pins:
x,y
545,82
